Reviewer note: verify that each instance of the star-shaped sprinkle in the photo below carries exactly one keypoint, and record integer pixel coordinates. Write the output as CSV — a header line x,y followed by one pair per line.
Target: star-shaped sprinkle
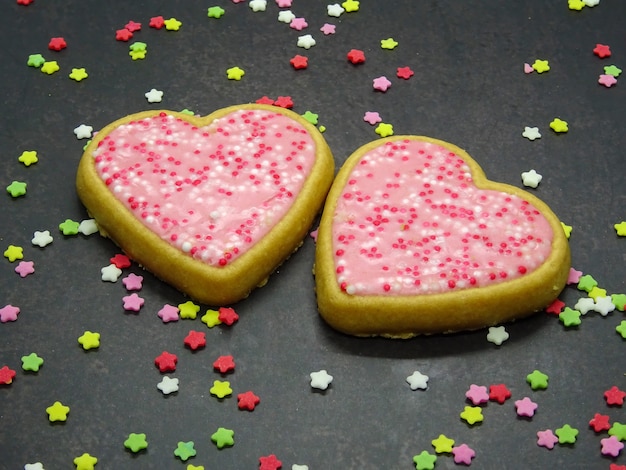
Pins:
x,y
188,310
587,282
531,178
223,437
286,16
566,434
110,273
69,227
381,83
28,157
85,462
321,379
604,305
443,444
350,6
311,117
57,412
602,51
168,313
463,454
17,188
600,422
195,340
472,414
540,66
36,465
356,56
614,396
298,24
247,401
258,5
556,307
618,430
24,268
283,3
57,44
224,364
528,68
499,393
558,125
154,96
269,462
120,260
389,43
221,389
477,394
31,362
619,300
13,253
570,317
83,131
227,316
89,340
306,41
123,35
299,62
211,318
78,74
138,54
384,129
424,460
567,229
537,380
585,305
621,329
156,22
195,467
138,46
49,67
172,24
136,442
132,302
328,28
35,60
531,133
525,407
168,385
334,10
215,12
546,439
284,102
417,381
607,80
235,73
620,229
6,375
133,26
166,362
404,73
133,282
372,117
611,446
597,292
87,227
591,3
574,276
497,335
612,70
185,450
9,313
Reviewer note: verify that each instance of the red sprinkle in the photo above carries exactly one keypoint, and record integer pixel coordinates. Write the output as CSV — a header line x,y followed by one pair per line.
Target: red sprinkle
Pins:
x,y
602,51
120,261
614,396
227,315
6,375
499,393
224,364
299,62
356,56
132,26
270,462
284,102
404,72
156,22
600,423
166,362
247,401
555,307
25,2
56,44
265,100
123,34
195,340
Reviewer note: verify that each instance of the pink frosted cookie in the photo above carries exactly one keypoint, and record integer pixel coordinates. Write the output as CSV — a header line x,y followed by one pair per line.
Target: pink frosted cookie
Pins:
x,y
213,204
414,239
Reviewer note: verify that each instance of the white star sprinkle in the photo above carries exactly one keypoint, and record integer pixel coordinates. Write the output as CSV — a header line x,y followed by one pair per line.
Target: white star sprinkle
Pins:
x,y
295,466
286,16
111,273
34,466
604,305
306,41
531,178
335,10
585,305
591,3
258,5
531,133
417,380
42,239
168,385
88,227
321,379
154,96
497,335
83,131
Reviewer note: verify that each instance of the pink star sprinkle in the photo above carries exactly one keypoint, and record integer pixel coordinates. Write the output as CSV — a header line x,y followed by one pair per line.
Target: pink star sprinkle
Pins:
x,y
525,407
611,446
381,83
372,117
528,68
25,268
574,276
463,454
133,302
168,313
298,24
546,439
327,29
133,282
9,313
283,3
477,394
607,80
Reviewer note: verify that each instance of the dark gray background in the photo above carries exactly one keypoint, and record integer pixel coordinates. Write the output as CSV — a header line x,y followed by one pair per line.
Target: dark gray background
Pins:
x,y
469,88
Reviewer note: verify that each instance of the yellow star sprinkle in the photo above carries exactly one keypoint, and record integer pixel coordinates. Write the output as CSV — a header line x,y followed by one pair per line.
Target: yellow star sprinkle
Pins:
x,y
28,157
540,66
384,130
172,24
78,74
85,462
50,67
211,318
472,414
620,229
596,292
188,310
350,5
567,229
388,43
89,340
139,54
221,388
558,125
195,467
57,411
235,73
443,444
13,253
576,4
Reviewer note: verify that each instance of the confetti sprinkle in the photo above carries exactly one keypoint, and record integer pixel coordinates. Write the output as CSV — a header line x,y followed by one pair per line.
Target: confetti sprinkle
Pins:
x,y
611,446
9,313
35,60
537,380
531,178
154,96
614,396
602,51
525,407
404,72
166,362
136,442
298,24
607,80
499,393
612,70
195,340
215,12
133,282
299,62
566,434
223,437
168,313
306,41
417,381
235,73
328,28
334,10
472,415
546,439
83,131
559,126
24,268
424,460
540,66
497,335
132,302
477,394
389,43
227,316
247,401
443,444
168,385
85,462
110,273
600,422
28,157
89,340
57,44
269,462
570,317
32,362
381,83
321,379
57,412
258,5
172,24
372,117
463,454
356,56
224,364
13,253
531,133
211,318
17,188
50,67
384,129
185,450
221,389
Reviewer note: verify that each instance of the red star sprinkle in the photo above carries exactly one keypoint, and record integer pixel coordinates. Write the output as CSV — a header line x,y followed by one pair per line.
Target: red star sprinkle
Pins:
x,y
356,56
602,51
132,26
615,466
299,62
270,462
166,362
227,315
224,364
25,2
156,22
120,261
405,72
265,100
555,307
123,35
6,375
195,340
284,102
600,423
56,44
614,396
499,393
247,401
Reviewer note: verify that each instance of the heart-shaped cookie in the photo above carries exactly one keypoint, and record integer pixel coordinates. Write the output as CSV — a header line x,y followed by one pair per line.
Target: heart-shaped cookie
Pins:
x,y
414,239
211,205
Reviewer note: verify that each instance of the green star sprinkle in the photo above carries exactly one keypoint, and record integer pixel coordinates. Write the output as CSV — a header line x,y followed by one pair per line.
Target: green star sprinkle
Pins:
x,y
35,60
424,460
612,70
570,317
16,188
32,362
537,380
618,430
136,442
13,253
215,12
586,283
69,227
566,434
472,414
188,310
188,112
619,300
621,329
28,157
221,388
311,117
185,450
138,46
223,437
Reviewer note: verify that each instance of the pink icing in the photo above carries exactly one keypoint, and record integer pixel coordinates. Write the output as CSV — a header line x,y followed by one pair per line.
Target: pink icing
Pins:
x,y
411,221
214,191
